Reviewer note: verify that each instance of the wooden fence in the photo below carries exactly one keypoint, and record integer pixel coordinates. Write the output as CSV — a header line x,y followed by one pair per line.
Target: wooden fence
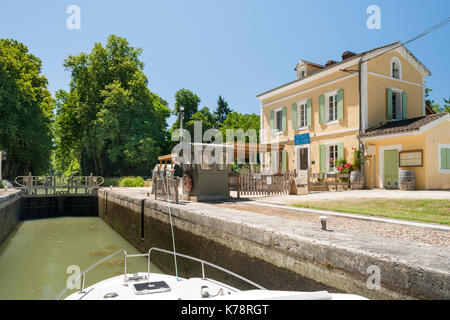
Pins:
x,y
251,184
248,183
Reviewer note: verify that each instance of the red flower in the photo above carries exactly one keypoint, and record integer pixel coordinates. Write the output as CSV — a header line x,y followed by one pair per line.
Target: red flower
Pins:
x,y
347,165
331,159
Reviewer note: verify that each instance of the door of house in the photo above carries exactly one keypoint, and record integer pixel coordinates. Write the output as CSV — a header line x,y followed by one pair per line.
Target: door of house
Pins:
x,y
302,159
391,169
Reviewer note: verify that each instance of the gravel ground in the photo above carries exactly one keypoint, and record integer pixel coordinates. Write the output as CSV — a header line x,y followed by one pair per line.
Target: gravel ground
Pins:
x,y
434,237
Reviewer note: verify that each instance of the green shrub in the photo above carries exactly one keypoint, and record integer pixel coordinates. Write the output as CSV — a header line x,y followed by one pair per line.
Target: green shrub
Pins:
x,y
131,182
1,185
111,182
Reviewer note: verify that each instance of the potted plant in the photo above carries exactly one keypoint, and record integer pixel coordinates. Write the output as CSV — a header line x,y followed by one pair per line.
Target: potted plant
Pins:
x,y
343,167
356,176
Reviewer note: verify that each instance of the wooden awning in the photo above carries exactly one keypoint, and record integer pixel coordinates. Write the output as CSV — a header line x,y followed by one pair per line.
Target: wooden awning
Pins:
x,y
167,158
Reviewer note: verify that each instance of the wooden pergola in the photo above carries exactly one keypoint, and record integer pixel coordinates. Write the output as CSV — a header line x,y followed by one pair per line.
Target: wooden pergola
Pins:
x,y
167,158
239,148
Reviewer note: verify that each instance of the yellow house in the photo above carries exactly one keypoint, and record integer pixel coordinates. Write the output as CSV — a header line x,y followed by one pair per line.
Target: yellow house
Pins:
x,y
375,101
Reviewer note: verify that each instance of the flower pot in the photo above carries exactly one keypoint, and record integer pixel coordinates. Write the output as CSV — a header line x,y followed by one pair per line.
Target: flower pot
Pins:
x,y
356,180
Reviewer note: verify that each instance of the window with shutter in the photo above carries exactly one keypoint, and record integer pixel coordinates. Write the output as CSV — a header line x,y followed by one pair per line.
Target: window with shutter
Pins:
x,y
302,114
395,104
444,158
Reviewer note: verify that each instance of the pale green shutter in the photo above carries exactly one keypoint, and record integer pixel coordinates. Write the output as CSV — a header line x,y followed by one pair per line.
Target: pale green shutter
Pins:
x,y
389,104
404,106
340,104
273,165
284,119
322,109
284,160
309,112
340,146
322,158
445,158
272,121
294,116
448,158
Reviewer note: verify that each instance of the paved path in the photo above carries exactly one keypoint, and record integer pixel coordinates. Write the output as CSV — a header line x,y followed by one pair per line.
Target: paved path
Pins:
x,y
372,194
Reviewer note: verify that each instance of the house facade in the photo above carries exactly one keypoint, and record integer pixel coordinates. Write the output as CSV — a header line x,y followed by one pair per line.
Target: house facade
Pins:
x,y
373,100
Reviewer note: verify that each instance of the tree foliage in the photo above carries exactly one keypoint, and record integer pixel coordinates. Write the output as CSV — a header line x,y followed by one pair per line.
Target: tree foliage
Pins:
x,y
25,111
437,107
109,122
245,122
222,110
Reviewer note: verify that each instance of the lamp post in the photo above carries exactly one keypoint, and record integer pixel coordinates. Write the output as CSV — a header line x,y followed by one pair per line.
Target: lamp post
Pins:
x,y
1,160
181,122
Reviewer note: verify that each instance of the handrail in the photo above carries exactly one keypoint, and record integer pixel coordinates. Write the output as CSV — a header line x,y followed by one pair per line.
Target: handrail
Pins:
x,y
148,255
83,274
203,262
58,181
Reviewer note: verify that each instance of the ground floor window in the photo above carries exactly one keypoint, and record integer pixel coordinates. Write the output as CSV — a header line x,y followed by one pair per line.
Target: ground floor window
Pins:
x,y
332,155
444,158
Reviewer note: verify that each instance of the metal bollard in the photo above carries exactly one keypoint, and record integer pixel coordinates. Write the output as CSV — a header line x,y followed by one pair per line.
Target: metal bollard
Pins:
x,y
323,222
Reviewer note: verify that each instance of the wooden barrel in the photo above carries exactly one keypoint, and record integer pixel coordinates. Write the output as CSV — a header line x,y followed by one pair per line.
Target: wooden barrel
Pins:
x,y
356,180
406,180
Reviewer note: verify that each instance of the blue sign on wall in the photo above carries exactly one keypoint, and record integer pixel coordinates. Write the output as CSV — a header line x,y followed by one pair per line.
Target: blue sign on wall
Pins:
x,y
300,139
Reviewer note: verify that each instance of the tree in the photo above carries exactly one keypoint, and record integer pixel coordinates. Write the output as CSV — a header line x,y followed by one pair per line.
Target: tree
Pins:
x,y
190,101
245,122
436,106
222,110
430,102
446,107
109,122
25,111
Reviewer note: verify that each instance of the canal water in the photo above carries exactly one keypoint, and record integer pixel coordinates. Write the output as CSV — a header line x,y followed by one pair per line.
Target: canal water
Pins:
x,y
35,258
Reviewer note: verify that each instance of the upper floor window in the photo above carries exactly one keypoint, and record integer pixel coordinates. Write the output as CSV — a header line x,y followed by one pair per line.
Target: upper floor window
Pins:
x,y
396,105
301,73
302,112
279,120
331,107
396,68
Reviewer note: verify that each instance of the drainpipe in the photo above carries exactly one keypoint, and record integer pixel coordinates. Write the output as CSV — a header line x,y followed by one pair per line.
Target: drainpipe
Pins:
x,y
361,145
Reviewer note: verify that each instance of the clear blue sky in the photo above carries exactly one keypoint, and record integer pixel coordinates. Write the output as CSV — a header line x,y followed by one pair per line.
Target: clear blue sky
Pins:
x,y
232,48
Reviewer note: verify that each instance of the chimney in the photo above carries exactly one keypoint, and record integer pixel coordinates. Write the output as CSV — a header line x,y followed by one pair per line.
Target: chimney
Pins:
x,y
348,54
330,62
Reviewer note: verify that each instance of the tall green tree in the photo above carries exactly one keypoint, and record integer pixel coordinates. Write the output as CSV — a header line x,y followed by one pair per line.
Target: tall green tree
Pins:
x,y
25,111
222,110
189,101
109,122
